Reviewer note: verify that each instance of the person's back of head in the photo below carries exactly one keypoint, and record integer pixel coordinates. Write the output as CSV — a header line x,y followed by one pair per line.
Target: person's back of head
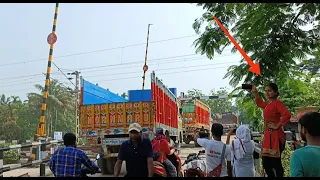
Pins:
x,y
310,123
70,139
217,130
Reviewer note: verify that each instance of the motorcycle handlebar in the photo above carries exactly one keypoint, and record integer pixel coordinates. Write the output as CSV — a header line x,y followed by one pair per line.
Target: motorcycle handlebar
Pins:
x,y
200,152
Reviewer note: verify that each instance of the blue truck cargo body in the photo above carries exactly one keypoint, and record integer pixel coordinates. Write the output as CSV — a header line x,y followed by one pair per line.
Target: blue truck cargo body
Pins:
x,y
174,91
144,95
93,94
139,95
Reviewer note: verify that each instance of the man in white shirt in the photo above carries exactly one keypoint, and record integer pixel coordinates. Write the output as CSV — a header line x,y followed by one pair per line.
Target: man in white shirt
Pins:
x,y
213,151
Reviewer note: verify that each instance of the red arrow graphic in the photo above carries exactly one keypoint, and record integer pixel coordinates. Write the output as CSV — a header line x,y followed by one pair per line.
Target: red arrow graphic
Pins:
x,y
254,67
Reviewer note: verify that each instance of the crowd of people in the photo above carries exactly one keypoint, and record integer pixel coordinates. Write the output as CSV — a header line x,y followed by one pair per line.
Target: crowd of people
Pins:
x,y
239,155
230,159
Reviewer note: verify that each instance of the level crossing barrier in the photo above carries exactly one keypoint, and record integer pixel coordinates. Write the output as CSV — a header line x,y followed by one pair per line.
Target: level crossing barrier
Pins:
x,y
42,158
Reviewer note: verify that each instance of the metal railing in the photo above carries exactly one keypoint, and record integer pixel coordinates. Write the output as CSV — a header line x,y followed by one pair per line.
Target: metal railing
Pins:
x,y
42,158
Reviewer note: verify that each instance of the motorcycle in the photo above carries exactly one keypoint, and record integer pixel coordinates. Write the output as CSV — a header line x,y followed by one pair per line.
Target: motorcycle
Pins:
x,y
85,171
195,166
160,170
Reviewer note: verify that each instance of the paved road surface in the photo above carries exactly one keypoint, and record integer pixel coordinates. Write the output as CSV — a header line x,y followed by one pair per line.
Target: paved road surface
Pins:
x,y
35,172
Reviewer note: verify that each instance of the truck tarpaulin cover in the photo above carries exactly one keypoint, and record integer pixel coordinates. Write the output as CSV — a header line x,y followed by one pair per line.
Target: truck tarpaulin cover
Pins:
x,y
93,94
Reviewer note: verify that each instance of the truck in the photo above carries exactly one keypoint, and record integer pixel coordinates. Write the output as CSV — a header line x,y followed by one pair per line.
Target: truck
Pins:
x,y
196,116
104,124
228,120
145,95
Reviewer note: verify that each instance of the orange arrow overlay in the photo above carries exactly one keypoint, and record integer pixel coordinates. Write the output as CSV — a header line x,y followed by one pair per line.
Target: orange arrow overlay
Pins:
x,y
254,67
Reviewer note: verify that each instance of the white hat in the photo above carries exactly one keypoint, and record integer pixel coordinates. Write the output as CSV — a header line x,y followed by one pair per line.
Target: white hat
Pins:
x,y
135,127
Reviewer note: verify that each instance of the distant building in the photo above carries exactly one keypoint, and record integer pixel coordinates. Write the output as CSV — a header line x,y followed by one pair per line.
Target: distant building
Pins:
x,y
299,112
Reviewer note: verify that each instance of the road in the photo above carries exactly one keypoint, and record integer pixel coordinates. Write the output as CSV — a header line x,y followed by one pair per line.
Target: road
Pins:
x,y
34,172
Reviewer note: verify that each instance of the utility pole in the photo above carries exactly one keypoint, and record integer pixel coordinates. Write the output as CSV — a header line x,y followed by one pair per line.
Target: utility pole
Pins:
x,y
77,91
145,67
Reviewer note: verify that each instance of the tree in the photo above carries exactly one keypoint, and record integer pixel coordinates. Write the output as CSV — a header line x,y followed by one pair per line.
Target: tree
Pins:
x,y
19,120
219,106
271,33
194,93
216,105
9,117
124,95
59,99
311,65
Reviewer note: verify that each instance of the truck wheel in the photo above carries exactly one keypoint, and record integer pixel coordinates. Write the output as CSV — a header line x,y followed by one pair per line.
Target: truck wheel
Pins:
x,y
196,144
102,166
187,141
110,163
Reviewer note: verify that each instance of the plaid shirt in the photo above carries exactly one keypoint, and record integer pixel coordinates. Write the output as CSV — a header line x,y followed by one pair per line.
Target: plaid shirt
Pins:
x,y
66,162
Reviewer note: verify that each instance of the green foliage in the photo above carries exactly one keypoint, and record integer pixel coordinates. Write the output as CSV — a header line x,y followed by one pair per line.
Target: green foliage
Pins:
x,y
11,156
271,33
23,117
216,105
285,158
124,95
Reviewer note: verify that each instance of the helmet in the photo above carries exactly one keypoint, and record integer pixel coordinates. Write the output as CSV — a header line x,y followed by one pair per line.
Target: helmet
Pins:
x,y
160,131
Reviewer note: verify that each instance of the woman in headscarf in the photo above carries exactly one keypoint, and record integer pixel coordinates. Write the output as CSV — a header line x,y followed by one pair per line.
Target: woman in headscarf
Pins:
x,y
161,149
242,153
275,116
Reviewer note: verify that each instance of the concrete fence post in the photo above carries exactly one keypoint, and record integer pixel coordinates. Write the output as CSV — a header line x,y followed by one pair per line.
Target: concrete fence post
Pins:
x,y
1,163
42,169
43,156
43,148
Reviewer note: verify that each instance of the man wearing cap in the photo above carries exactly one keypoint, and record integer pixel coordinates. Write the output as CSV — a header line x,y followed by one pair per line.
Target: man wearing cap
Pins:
x,y
138,154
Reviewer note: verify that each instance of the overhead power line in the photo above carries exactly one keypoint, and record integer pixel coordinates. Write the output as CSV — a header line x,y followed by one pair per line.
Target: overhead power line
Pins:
x,y
63,74
132,64
40,74
132,77
178,72
10,83
95,51
165,69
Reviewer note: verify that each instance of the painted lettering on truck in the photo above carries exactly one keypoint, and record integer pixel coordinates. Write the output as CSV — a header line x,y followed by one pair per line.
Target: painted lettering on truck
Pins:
x,y
115,118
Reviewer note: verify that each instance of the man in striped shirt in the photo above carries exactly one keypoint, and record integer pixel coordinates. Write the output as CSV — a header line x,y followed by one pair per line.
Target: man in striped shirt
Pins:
x,y
66,162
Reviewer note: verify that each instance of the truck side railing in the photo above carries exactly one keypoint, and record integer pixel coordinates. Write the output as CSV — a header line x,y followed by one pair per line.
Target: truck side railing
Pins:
x,y
42,160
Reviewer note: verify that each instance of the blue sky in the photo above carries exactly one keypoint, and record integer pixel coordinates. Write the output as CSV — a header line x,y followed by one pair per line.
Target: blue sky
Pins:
x,y
84,28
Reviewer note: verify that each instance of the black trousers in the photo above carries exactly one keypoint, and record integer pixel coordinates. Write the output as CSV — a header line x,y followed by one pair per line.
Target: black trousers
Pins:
x,y
273,166
173,160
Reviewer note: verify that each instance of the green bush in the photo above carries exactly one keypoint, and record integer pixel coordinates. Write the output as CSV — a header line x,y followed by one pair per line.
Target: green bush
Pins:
x,y
11,156
286,155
